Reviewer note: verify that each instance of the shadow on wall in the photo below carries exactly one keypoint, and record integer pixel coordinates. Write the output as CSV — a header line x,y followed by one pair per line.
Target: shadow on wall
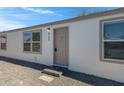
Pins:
x,y
90,79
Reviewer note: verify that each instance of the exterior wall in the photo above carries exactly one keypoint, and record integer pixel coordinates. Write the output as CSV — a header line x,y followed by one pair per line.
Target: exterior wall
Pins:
x,y
84,54
15,48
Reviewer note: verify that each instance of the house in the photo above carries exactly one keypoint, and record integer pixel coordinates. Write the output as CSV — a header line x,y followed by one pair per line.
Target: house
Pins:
x,y
92,44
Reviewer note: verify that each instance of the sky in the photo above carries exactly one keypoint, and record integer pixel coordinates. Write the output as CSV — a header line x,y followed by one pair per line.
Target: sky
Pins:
x,y
19,17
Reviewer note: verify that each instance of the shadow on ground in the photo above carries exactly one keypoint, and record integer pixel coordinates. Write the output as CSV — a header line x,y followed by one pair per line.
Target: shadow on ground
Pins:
x,y
89,79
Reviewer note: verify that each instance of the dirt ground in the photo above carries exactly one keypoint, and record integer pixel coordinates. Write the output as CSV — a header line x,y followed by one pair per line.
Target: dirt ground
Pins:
x,y
19,73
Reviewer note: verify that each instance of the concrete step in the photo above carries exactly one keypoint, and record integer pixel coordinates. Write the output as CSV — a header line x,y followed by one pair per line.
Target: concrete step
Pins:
x,y
52,72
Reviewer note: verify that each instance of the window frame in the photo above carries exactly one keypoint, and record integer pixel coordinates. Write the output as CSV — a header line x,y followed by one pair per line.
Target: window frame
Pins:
x,y
101,36
31,42
5,34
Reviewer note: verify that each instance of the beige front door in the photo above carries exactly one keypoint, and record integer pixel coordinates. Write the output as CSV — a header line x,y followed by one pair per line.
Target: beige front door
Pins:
x,y
61,46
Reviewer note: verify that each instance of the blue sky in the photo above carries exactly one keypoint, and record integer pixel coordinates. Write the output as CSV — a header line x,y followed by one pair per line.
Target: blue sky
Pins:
x,y
11,18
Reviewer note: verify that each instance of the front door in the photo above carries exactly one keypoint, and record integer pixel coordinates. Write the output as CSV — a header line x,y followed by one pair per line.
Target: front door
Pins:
x,y
61,46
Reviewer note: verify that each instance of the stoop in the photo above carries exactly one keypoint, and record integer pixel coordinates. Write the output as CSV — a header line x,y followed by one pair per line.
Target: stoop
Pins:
x,y
52,72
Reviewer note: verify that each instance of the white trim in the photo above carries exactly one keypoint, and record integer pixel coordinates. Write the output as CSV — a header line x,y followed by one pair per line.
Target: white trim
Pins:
x,y
113,21
114,60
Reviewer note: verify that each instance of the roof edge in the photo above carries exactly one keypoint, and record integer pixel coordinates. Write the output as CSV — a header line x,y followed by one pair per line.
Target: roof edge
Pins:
x,y
93,15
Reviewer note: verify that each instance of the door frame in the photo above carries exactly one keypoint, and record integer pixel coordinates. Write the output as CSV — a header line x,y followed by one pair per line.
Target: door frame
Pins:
x,y
54,47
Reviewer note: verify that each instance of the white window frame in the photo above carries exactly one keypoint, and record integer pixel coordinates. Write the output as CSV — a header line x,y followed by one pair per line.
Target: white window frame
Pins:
x,y
116,20
31,42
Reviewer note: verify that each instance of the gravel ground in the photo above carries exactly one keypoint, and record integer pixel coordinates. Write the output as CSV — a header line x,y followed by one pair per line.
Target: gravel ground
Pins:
x,y
12,74
20,73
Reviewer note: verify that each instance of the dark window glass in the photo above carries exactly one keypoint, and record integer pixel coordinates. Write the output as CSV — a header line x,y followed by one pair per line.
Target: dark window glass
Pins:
x,y
27,36
36,36
114,30
3,46
27,46
114,50
35,47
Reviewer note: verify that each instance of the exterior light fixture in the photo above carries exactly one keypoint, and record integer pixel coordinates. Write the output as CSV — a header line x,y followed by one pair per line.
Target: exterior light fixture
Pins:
x,y
48,29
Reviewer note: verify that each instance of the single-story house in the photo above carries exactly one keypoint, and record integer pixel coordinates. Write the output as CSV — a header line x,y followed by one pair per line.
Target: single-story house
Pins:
x,y
92,44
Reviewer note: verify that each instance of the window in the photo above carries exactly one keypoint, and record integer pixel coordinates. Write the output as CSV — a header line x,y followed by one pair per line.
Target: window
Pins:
x,y
113,40
3,41
35,47
27,46
35,42
32,41
27,41
36,36
27,36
